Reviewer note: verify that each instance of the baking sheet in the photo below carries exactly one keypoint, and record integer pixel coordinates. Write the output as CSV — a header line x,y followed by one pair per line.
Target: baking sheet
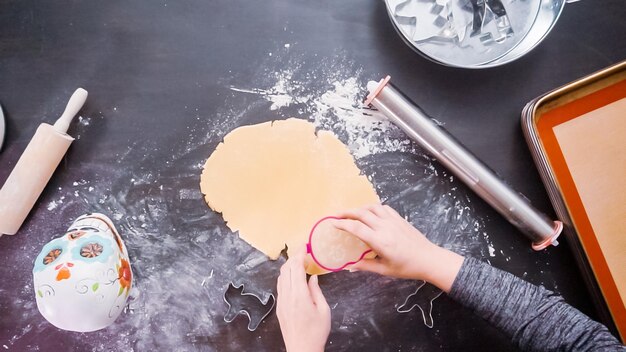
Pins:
x,y
582,135
597,164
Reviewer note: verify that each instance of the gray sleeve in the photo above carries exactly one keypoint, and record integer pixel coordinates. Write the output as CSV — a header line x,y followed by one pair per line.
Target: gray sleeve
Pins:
x,y
536,319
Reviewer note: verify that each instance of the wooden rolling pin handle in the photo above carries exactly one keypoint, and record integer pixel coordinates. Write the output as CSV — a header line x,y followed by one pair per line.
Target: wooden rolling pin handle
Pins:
x,y
76,102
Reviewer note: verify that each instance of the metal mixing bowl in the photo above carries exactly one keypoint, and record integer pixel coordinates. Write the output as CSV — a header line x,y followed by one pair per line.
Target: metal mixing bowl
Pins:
x,y
473,33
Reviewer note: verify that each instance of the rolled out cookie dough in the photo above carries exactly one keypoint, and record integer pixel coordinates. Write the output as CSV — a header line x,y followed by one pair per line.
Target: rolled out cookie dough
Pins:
x,y
274,180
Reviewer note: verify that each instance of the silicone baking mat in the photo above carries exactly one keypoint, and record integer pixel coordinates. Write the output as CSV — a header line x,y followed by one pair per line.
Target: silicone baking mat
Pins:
x,y
584,141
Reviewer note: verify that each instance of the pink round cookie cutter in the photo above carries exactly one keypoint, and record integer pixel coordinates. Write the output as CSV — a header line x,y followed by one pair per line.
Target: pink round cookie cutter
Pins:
x,y
309,249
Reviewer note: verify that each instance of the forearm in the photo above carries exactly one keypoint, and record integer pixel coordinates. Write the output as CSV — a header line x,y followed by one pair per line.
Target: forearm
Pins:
x,y
534,318
445,268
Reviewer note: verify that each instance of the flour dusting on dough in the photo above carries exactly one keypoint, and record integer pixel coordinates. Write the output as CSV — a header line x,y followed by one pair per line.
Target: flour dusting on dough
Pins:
x,y
338,106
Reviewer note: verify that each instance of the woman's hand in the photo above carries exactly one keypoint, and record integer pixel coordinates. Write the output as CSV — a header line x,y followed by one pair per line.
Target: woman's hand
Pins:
x,y
302,311
403,251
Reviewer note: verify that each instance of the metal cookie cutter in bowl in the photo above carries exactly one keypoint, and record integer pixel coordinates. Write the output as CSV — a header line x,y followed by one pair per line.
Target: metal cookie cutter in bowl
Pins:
x,y
249,304
473,33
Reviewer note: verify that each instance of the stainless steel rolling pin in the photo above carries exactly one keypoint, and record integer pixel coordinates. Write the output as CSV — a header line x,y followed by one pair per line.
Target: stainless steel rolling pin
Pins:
x,y
540,229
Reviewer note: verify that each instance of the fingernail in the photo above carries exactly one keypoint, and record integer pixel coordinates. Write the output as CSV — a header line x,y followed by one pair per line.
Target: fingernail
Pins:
x,y
314,278
353,270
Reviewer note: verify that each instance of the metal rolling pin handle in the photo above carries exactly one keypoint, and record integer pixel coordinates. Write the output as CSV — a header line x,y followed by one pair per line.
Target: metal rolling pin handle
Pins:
x,y
540,229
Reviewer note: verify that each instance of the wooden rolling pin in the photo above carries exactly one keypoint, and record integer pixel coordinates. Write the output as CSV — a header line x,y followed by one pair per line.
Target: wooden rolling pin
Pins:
x,y
35,167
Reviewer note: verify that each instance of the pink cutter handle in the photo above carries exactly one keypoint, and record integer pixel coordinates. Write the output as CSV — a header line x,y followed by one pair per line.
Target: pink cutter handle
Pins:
x,y
309,249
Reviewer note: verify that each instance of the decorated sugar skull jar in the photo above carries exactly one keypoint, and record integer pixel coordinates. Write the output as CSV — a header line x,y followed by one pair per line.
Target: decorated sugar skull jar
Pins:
x,y
83,278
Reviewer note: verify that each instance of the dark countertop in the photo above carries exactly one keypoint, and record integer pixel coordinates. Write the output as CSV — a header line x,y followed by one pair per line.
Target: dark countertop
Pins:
x,y
159,75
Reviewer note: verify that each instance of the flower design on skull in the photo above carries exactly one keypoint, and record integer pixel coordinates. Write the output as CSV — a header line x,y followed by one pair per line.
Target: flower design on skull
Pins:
x,y
94,248
125,276
91,250
49,254
52,255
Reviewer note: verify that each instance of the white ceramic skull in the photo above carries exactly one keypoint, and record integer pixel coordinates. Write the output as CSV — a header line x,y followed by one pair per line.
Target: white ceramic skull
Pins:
x,y
83,278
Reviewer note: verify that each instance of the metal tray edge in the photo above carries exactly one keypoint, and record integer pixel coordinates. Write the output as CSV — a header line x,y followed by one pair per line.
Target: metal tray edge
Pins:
x,y
528,122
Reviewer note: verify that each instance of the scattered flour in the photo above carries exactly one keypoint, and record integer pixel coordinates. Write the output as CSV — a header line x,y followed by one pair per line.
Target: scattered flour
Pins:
x,y
340,109
182,254
425,193
332,97
52,205
368,131
492,251
279,95
84,121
